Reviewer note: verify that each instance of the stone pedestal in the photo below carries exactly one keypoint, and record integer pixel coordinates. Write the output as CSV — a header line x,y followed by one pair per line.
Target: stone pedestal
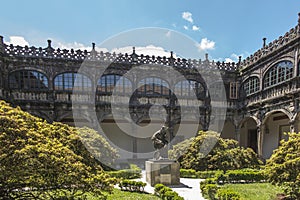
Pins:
x,y
163,171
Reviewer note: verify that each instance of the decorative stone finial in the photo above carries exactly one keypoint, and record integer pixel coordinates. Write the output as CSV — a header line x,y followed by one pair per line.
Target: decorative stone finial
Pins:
x,y
49,43
206,56
264,42
1,44
93,46
171,54
240,59
1,40
133,50
299,22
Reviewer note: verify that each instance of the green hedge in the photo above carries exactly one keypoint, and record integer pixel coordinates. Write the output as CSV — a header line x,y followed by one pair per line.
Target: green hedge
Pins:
x,y
132,186
191,173
210,189
126,174
239,176
166,193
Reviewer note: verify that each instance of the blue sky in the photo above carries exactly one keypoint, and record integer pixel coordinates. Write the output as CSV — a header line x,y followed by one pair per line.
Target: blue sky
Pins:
x,y
222,28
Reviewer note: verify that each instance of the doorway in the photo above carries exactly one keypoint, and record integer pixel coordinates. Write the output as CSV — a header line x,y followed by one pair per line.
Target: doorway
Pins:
x,y
252,139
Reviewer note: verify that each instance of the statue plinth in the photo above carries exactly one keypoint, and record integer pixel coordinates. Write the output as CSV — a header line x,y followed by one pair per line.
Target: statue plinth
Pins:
x,y
163,171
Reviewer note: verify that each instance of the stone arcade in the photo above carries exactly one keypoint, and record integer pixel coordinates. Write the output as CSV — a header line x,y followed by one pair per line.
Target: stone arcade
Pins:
x,y
262,91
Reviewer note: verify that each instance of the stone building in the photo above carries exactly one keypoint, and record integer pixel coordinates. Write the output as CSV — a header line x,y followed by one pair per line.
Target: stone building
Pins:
x,y
261,96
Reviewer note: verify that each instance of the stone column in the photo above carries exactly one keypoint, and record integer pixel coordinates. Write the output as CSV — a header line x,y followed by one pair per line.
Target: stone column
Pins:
x,y
260,133
237,133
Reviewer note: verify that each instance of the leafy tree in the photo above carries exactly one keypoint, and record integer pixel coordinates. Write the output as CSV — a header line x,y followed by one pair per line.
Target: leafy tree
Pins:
x,y
197,153
48,161
283,168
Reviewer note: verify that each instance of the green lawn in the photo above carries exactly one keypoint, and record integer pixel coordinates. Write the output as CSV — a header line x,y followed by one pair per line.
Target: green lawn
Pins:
x,y
256,191
122,195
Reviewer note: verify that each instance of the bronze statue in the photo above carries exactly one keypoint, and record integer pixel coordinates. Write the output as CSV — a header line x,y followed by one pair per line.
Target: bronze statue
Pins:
x,y
159,141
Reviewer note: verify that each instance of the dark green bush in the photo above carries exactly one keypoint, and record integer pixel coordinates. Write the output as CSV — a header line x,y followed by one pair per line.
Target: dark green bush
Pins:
x,y
226,194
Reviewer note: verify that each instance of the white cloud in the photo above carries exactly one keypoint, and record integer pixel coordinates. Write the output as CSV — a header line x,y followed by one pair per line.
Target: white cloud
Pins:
x,y
187,16
195,28
17,40
148,50
235,58
229,60
205,44
186,28
75,46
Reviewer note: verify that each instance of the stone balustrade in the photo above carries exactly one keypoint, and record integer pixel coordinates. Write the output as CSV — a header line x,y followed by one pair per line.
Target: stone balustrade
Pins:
x,y
79,55
266,50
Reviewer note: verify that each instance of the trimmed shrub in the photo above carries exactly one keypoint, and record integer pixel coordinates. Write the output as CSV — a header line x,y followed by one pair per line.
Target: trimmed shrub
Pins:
x,y
210,190
239,176
207,174
206,182
132,173
191,173
132,186
227,194
166,193
188,173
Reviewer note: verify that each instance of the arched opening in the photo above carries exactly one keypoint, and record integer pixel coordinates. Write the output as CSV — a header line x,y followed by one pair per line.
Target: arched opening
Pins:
x,y
251,85
248,134
278,73
153,86
228,131
275,125
114,83
28,80
132,140
70,81
187,88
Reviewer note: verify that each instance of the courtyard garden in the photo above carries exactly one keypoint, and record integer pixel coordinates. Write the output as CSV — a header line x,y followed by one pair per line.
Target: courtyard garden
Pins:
x,y
39,160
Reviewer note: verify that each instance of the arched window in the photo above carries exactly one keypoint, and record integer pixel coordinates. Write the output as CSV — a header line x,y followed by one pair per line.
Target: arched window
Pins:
x,y
278,73
153,85
28,80
72,80
188,87
116,83
251,85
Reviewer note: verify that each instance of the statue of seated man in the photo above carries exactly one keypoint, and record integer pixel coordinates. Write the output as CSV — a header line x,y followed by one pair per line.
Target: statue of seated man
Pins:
x,y
160,142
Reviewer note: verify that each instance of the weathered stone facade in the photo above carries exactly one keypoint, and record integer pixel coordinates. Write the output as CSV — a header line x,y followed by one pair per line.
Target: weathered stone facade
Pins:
x,y
262,90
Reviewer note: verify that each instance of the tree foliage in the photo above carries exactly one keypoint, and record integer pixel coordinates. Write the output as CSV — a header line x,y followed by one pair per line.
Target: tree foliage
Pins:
x,y
283,168
197,153
39,160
